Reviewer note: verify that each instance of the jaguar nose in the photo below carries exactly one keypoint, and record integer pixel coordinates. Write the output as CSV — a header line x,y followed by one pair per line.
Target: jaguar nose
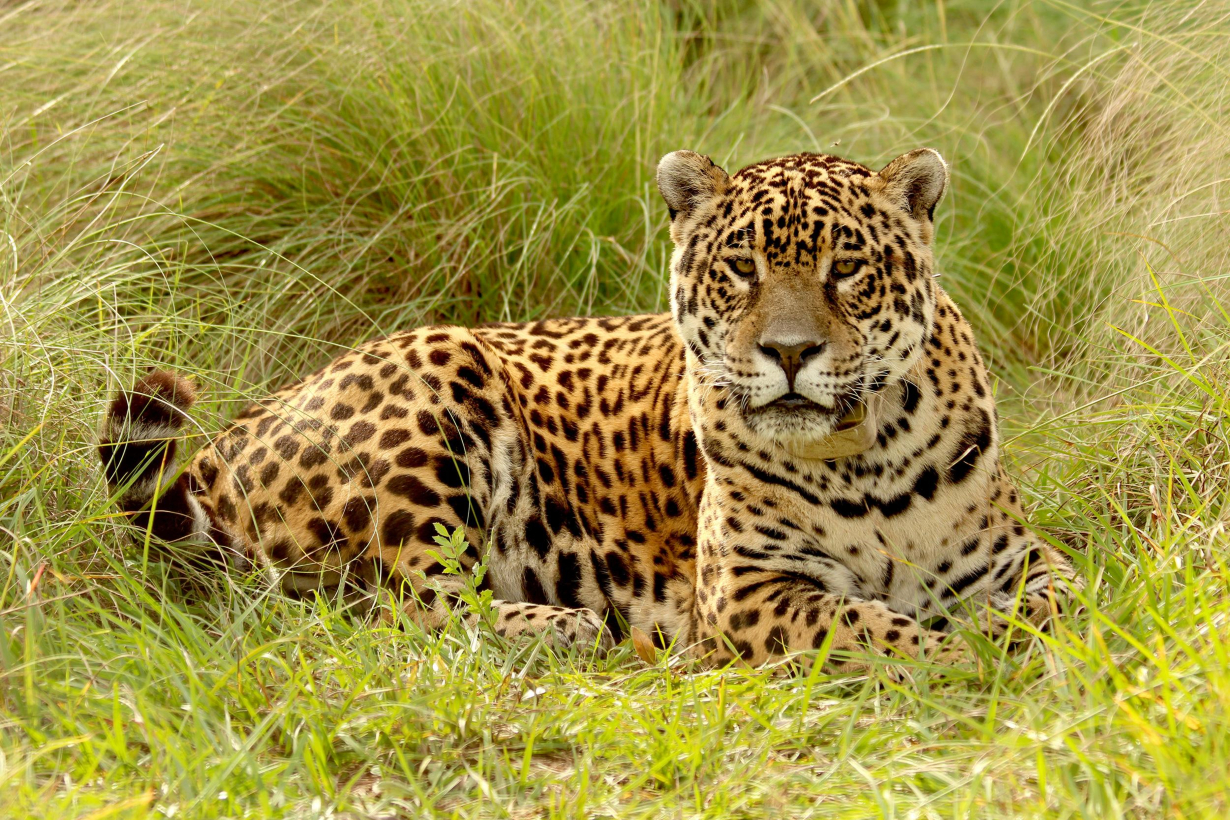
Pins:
x,y
791,357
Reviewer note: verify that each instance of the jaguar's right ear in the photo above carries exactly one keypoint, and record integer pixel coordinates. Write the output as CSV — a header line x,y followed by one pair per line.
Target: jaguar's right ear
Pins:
x,y
687,180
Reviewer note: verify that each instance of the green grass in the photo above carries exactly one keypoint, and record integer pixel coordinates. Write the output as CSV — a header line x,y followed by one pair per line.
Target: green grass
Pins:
x,y
242,190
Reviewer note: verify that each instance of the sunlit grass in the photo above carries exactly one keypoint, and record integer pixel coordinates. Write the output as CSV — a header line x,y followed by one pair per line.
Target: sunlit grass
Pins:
x,y
241,191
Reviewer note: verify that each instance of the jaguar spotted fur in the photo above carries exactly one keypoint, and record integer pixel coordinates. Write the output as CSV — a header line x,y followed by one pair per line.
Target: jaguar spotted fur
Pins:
x,y
684,470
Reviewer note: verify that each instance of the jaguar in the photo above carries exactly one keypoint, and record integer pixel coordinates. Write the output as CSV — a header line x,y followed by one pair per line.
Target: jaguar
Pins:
x,y
802,454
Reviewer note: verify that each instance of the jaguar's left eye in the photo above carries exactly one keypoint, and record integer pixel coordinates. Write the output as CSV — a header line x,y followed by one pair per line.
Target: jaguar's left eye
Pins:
x,y
744,267
845,268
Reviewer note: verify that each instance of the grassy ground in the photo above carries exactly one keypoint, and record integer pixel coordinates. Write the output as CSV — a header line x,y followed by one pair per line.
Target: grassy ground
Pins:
x,y
240,190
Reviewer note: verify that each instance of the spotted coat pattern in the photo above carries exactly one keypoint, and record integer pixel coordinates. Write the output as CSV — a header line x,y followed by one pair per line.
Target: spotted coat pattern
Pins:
x,y
657,471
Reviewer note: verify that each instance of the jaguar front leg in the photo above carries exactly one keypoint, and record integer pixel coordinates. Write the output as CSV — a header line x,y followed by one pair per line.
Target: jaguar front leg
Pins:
x,y
1037,587
755,614
1028,582
755,601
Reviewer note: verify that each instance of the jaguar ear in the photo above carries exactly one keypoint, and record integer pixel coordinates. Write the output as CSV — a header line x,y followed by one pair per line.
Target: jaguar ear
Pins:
x,y
917,181
687,179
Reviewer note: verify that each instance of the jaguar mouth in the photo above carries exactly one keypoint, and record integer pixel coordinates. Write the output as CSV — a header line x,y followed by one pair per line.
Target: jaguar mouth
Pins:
x,y
849,411
845,406
794,401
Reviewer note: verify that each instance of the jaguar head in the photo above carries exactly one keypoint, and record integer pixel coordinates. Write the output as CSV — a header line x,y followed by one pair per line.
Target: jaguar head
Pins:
x,y
802,286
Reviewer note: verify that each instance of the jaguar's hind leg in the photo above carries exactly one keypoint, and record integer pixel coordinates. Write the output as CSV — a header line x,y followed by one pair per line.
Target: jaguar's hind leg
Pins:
x,y
417,583
358,467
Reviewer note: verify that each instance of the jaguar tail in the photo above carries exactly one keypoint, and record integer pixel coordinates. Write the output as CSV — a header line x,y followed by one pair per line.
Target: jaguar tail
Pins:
x,y
141,435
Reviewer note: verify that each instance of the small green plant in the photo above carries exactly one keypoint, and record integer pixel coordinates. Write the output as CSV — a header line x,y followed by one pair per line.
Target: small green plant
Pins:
x,y
452,546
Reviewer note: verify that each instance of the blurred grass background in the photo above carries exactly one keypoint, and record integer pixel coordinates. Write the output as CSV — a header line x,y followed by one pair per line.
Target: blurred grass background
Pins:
x,y
242,190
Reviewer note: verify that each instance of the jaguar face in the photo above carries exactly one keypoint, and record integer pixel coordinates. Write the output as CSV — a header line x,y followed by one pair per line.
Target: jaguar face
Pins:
x,y
803,284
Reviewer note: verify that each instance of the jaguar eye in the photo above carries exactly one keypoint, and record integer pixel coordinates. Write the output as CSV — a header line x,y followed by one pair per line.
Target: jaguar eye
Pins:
x,y
744,267
845,268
